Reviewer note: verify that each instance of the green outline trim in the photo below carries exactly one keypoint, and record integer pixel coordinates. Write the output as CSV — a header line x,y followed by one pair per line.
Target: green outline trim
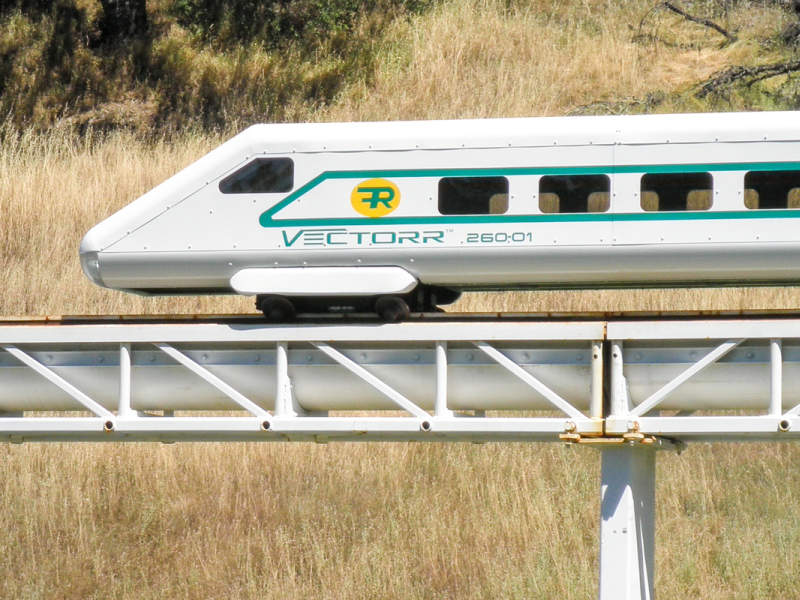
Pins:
x,y
266,218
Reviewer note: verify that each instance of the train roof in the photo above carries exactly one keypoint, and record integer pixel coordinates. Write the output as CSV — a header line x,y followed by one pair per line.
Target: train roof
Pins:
x,y
522,132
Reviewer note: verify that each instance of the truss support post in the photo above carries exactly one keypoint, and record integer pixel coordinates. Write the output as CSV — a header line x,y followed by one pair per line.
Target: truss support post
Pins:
x,y
285,403
627,523
620,403
776,378
124,407
596,403
440,405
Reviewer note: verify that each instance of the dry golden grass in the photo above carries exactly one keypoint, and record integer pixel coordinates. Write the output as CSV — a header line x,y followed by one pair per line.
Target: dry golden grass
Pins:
x,y
478,58
380,520
297,521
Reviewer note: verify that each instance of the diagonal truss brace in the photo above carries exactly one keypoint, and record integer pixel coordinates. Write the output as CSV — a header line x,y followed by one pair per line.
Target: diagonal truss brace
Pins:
x,y
369,378
59,381
530,380
208,376
657,397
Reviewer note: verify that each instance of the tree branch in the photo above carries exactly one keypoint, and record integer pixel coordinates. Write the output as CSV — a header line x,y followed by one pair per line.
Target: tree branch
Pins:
x,y
749,75
705,22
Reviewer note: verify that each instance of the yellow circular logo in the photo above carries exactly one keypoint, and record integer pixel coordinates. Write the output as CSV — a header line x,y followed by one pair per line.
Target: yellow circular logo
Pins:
x,y
375,197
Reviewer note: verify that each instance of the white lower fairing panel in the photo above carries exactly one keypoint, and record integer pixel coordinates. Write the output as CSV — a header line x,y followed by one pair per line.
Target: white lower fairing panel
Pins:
x,y
546,267
324,281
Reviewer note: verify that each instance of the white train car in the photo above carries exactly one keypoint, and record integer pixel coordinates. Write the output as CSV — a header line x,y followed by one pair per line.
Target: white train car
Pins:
x,y
401,216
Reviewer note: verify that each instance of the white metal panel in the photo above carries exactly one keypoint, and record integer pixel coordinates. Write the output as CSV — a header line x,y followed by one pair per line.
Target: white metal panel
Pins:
x,y
333,281
143,332
690,329
546,131
170,193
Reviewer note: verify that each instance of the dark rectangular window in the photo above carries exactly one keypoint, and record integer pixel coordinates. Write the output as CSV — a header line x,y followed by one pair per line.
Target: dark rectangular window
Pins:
x,y
473,195
772,189
574,193
676,191
260,176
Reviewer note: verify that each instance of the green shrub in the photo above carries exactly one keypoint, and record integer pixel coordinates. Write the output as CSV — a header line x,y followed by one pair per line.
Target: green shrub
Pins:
x,y
276,22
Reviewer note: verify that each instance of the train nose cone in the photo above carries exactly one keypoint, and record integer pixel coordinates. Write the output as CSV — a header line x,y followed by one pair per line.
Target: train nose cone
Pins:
x,y
90,259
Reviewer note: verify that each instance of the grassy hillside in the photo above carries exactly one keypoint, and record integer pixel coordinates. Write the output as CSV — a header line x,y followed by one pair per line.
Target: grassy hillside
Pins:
x,y
103,123
204,65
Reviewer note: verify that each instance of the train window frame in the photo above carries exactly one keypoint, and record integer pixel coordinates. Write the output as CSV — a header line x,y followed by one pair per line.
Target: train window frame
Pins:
x,y
791,195
470,195
591,199
262,175
699,194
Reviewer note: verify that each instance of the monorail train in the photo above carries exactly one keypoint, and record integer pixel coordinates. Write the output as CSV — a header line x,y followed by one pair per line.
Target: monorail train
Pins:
x,y
402,216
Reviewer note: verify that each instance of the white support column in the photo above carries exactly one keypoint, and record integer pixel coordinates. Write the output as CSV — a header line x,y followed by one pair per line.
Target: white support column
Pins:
x,y
124,408
596,403
285,403
776,378
627,523
620,403
440,405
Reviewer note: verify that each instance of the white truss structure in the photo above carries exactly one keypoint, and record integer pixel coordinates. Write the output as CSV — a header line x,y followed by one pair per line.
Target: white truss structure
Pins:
x,y
159,381
627,386
743,373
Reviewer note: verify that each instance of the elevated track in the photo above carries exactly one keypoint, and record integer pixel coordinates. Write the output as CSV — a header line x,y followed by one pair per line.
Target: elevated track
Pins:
x,y
587,377
446,316
627,383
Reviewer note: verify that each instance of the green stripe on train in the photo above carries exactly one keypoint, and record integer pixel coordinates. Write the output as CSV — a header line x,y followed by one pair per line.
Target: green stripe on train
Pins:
x,y
266,218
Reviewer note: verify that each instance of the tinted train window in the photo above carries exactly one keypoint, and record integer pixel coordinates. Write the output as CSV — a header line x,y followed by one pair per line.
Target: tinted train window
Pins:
x,y
574,193
261,176
772,189
676,191
473,195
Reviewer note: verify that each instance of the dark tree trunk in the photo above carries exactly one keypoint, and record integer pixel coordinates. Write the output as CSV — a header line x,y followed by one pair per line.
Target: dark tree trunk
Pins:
x,y
123,19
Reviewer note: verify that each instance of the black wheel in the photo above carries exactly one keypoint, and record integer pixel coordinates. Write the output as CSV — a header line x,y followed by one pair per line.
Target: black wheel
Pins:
x,y
392,309
276,308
